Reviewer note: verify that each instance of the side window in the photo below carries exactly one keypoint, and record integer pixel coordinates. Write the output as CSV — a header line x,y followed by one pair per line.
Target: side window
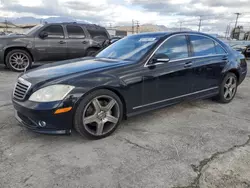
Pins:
x,y
174,48
202,46
54,31
75,32
219,49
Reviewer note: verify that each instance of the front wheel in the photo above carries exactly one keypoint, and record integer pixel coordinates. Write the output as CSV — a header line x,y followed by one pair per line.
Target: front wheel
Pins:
x,y
228,88
18,60
98,114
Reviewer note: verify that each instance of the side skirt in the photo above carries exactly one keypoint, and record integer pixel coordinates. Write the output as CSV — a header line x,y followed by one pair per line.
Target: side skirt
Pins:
x,y
184,99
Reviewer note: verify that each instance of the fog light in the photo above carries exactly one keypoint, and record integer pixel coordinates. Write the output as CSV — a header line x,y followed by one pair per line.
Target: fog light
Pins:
x,y
42,123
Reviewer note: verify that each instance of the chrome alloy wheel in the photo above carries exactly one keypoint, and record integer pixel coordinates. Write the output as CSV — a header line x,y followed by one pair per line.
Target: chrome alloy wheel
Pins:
x,y
230,88
101,115
19,61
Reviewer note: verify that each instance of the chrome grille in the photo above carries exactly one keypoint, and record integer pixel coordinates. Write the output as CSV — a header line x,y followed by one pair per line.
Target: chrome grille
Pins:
x,y
21,89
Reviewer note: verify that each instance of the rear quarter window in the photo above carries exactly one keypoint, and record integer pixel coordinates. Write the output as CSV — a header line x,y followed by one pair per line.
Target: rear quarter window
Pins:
x,y
98,34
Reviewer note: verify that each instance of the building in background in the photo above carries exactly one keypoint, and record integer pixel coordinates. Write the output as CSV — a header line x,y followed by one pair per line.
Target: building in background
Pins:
x,y
240,34
113,32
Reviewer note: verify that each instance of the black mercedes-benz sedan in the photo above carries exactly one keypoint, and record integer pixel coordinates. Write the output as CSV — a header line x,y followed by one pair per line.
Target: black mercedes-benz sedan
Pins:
x,y
136,74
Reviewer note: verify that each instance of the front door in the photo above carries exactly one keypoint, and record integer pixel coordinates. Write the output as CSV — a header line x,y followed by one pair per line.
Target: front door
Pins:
x,y
53,47
77,41
169,82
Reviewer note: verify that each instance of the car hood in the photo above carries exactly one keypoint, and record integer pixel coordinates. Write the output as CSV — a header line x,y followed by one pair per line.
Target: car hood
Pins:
x,y
69,67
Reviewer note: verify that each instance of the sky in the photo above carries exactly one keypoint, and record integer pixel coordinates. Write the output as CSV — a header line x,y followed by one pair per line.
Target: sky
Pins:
x,y
215,14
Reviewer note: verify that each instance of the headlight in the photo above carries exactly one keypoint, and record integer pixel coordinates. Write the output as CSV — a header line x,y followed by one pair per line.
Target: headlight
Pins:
x,y
51,93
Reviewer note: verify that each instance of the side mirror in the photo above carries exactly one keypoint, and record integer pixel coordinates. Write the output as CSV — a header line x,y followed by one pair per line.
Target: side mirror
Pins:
x,y
160,58
43,34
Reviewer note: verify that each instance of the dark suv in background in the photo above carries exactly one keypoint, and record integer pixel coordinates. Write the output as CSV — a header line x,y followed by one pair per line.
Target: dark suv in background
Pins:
x,y
51,42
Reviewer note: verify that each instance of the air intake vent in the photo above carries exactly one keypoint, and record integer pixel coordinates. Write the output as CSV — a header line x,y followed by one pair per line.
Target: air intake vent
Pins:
x,y
21,89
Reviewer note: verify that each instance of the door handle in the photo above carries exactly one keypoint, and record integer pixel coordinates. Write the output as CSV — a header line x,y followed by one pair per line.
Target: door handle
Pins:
x,y
149,77
84,42
62,42
188,64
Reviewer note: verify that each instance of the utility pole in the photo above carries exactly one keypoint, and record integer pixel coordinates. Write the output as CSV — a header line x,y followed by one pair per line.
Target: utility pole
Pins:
x,y
6,25
180,25
199,25
137,26
133,26
237,17
236,21
227,30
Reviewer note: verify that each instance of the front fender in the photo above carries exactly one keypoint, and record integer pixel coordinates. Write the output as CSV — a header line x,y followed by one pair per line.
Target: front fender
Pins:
x,y
19,43
87,85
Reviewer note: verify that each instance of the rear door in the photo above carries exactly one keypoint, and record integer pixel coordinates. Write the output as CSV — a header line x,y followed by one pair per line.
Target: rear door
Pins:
x,y
77,41
54,46
209,59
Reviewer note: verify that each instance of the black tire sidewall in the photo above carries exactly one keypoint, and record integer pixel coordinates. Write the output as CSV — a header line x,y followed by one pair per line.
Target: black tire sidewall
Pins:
x,y
221,92
91,52
78,124
19,51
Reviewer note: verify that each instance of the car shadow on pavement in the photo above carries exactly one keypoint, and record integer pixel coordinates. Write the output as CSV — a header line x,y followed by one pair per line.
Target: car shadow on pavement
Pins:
x,y
126,126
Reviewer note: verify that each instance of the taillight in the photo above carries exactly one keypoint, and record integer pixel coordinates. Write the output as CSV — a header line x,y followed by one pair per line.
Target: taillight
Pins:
x,y
243,63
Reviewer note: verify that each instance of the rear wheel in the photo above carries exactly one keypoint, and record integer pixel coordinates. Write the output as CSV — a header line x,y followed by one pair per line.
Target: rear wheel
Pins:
x,y
228,88
18,60
98,114
91,52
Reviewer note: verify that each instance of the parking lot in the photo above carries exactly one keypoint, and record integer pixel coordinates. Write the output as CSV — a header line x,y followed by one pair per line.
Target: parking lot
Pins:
x,y
195,144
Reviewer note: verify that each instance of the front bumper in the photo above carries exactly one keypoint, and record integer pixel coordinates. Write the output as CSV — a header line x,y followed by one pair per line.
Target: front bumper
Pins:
x,y
30,115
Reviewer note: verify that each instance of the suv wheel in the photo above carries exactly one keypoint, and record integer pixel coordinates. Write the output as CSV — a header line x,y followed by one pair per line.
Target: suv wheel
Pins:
x,y
228,88
91,52
18,60
98,114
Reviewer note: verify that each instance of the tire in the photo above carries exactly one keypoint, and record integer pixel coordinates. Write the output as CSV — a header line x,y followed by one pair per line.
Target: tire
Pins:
x,y
91,52
87,111
227,87
18,60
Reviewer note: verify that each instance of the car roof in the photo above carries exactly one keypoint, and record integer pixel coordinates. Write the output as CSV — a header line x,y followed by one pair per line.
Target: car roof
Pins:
x,y
88,26
164,33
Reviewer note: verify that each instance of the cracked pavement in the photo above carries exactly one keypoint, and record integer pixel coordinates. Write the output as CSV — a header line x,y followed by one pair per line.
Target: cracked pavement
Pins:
x,y
198,144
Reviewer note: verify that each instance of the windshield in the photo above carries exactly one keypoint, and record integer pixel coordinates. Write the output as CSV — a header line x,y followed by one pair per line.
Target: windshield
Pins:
x,y
33,29
130,48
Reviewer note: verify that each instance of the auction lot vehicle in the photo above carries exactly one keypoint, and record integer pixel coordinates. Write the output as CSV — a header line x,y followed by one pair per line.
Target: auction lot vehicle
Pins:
x,y
242,48
51,42
136,74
